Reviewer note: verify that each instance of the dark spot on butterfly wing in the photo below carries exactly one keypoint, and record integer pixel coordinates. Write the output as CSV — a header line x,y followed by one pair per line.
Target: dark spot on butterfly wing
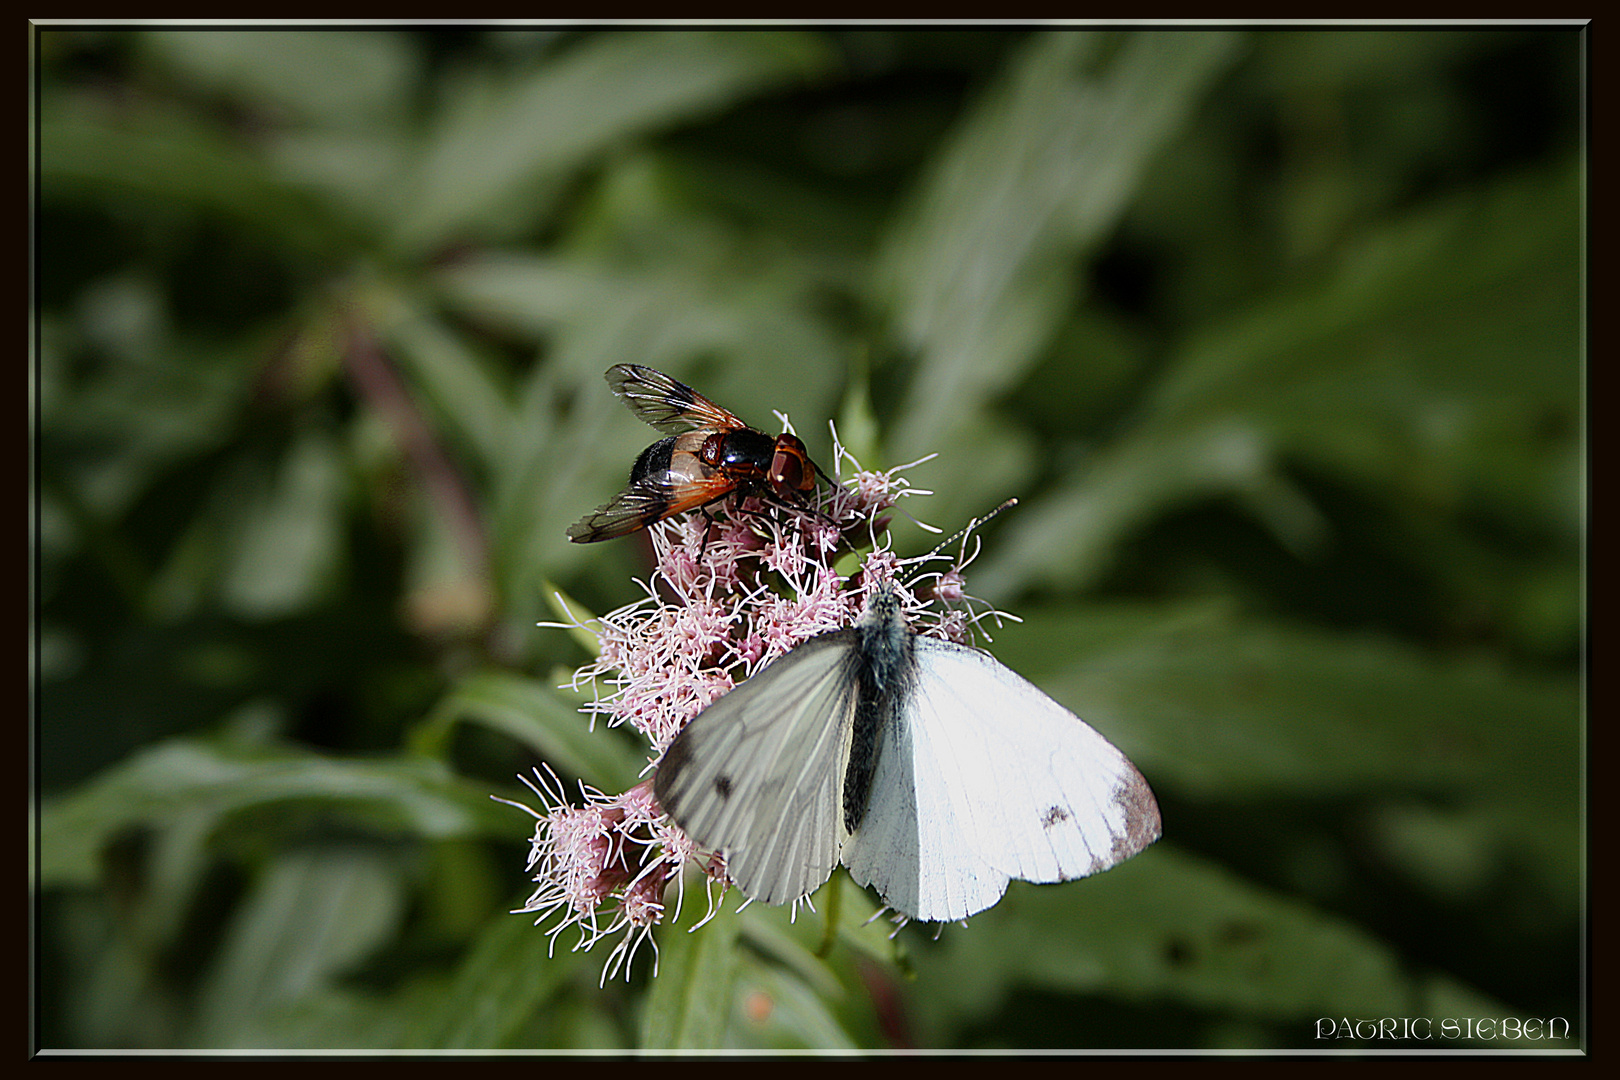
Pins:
x,y
722,786
1054,816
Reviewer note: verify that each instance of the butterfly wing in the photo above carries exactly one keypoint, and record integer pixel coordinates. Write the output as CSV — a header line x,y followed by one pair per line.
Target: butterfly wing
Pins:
x,y
759,774
908,846
667,404
990,779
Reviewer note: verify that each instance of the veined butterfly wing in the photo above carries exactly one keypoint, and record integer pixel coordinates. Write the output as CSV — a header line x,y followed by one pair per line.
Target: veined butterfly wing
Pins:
x,y
1005,783
759,774
974,776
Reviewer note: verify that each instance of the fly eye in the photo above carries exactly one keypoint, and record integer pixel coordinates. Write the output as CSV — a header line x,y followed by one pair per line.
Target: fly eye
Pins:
x,y
787,469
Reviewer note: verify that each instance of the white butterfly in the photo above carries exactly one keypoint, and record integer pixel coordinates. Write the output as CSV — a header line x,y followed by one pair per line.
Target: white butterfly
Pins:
x,y
929,769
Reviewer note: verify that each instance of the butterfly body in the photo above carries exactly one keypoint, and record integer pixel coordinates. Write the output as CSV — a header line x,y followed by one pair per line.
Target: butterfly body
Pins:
x,y
930,770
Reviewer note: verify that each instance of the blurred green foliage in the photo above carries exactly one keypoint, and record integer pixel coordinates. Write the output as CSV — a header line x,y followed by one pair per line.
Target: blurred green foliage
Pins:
x,y
1277,336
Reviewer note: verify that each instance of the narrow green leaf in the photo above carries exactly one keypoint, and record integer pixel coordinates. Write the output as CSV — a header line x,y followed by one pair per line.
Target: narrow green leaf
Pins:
x,y
501,986
778,1010
489,156
978,274
288,546
313,916
184,775
324,76
690,1002
541,718
453,384
573,613
1170,927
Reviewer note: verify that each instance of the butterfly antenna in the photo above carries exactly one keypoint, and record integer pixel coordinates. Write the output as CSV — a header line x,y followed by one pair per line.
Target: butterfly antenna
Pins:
x,y
963,533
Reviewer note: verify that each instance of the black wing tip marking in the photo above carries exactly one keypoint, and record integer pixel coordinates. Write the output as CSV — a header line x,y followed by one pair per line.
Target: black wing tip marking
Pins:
x,y
1142,825
1142,822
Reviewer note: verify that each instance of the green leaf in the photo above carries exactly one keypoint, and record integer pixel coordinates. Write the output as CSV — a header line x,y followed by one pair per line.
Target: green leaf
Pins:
x,y
326,76
481,167
688,1005
1170,927
312,917
778,1010
173,164
1436,339
570,611
288,548
501,986
184,775
455,385
542,719
978,274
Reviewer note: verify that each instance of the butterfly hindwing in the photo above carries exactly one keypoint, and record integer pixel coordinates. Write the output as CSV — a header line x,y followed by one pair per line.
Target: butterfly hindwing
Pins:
x,y
759,773
908,847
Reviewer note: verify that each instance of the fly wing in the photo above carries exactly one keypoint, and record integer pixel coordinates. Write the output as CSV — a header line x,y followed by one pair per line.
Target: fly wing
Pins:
x,y
667,404
1008,784
650,499
759,774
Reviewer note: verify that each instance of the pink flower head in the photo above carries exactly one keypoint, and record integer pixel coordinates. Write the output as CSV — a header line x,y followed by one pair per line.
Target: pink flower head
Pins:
x,y
724,599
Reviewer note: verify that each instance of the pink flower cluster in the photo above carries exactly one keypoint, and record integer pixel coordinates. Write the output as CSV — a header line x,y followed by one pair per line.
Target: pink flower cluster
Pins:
x,y
726,597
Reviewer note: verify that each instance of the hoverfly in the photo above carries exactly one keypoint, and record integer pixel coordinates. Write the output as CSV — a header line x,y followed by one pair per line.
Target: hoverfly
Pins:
x,y
709,455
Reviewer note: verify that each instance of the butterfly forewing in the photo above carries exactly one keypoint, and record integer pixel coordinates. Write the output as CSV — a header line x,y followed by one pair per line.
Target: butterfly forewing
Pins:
x,y
759,773
1036,792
